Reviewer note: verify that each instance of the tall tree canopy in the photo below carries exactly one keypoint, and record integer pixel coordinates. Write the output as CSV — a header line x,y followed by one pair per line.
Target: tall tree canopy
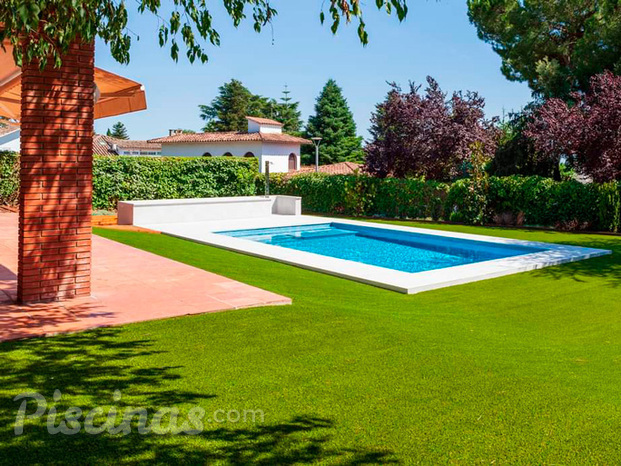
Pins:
x,y
428,135
288,114
516,153
334,123
49,27
553,45
587,132
228,110
118,131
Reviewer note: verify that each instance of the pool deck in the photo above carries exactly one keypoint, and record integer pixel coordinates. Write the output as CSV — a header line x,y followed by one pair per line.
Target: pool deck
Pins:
x,y
128,285
396,280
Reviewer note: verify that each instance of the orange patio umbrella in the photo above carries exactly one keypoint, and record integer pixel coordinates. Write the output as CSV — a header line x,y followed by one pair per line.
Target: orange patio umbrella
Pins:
x,y
115,94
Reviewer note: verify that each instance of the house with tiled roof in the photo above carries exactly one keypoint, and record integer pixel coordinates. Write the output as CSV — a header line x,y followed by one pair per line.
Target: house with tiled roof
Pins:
x,y
102,145
107,145
9,136
263,140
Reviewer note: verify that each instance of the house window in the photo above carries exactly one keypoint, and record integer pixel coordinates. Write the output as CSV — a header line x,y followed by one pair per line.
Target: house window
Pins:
x,y
249,154
228,154
206,154
293,162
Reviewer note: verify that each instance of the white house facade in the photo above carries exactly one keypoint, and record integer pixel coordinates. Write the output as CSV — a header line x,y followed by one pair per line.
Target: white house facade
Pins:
x,y
263,140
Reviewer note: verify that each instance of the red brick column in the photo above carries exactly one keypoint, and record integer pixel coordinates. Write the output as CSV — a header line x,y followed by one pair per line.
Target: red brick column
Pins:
x,y
56,174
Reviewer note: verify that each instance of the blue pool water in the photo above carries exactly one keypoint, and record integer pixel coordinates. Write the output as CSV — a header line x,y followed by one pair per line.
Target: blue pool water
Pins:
x,y
405,251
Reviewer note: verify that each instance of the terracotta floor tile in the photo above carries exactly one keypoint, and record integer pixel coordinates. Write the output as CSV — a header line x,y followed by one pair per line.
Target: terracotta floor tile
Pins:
x,y
129,285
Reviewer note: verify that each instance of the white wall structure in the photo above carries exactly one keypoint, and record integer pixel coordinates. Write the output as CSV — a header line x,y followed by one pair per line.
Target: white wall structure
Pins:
x,y
263,140
207,209
9,139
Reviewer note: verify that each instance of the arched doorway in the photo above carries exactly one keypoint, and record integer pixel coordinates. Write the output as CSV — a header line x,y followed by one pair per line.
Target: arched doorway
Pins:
x,y
249,154
228,154
206,154
293,162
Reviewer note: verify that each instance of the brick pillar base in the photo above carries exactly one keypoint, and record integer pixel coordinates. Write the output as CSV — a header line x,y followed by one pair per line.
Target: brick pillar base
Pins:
x,y
56,172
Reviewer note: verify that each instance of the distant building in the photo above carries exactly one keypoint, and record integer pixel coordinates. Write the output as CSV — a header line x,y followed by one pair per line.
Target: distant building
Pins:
x,y
107,145
102,145
9,136
263,140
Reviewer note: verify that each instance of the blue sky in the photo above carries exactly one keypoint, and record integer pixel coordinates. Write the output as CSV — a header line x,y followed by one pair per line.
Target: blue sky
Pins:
x,y
436,39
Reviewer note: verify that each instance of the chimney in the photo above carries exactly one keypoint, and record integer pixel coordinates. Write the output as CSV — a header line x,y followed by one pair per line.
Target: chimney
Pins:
x,y
175,132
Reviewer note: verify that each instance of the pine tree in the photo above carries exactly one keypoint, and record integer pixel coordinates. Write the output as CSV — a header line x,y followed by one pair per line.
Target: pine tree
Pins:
x,y
288,114
118,131
228,111
334,123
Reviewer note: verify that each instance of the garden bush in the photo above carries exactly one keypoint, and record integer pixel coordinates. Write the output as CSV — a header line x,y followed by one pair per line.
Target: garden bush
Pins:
x,y
122,178
364,195
512,200
9,178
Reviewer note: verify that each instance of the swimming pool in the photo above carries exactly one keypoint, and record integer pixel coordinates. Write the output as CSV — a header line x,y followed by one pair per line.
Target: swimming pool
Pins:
x,y
393,256
396,250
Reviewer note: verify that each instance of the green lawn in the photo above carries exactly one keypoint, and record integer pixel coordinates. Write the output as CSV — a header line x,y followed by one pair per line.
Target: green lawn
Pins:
x,y
521,369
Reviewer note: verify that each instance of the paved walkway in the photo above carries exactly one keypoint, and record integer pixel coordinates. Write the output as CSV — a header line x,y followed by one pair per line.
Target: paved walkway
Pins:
x,y
129,285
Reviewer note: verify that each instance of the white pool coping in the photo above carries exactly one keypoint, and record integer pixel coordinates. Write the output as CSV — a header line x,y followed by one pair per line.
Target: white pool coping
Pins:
x,y
403,282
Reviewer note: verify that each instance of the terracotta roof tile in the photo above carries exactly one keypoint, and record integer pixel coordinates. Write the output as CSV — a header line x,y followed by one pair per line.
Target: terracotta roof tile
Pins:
x,y
341,168
7,127
102,145
230,136
264,121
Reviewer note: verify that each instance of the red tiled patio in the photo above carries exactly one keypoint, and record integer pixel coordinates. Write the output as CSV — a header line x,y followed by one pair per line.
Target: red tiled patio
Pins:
x,y
129,285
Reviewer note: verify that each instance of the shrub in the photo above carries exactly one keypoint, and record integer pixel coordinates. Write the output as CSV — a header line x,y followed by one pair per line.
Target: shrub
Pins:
x,y
9,178
123,178
539,201
365,195
512,200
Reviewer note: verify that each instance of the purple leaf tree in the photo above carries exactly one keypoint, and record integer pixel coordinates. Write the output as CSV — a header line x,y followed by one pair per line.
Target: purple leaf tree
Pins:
x,y
427,135
587,131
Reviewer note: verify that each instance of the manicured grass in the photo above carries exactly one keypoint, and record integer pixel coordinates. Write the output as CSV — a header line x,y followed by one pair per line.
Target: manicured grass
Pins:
x,y
522,369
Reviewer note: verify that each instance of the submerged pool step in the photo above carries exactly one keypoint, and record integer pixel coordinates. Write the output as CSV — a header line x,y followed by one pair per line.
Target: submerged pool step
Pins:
x,y
327,233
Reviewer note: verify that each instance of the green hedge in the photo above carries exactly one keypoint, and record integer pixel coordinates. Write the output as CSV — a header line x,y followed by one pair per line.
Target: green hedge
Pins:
x,y
513,200
363,195
9,178
122,178
538,201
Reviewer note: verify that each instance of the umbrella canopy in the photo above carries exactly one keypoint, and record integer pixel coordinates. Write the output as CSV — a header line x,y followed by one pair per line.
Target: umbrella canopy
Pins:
x,y
115,94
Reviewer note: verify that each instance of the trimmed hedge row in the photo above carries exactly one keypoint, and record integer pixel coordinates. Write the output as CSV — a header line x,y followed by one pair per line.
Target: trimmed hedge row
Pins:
x,y
364,195
9,178
122,178
513,200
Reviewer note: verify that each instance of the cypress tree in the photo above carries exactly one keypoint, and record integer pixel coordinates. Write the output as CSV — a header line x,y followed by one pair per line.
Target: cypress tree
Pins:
x,y
334,123
118,131
288,114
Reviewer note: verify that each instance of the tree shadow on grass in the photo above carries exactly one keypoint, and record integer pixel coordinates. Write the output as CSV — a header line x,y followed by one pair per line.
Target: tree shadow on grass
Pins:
x,y
607,268
88,367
